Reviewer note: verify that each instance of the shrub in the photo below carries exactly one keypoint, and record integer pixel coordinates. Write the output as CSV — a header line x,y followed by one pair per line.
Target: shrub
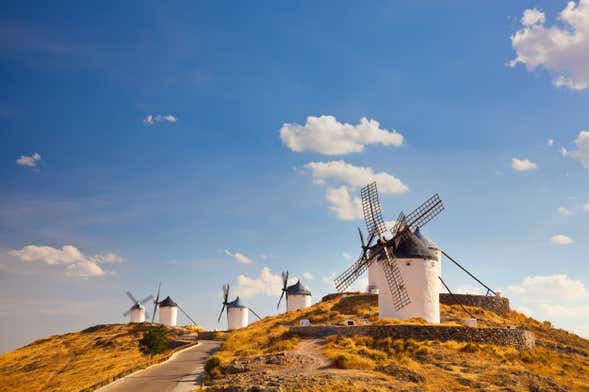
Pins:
x,y
470,348
352,361
212,363
154,340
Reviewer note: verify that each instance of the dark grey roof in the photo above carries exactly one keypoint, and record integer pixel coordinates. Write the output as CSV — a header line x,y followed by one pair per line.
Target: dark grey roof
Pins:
x,y
297,289
236,304
137,306
411,247
426,240
167,302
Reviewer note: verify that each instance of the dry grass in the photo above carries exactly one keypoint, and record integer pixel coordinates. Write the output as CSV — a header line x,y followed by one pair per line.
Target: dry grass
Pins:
x,y
76,361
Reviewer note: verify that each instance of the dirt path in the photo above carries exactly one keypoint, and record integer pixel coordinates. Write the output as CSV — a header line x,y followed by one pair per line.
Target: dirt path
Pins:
x,y
181,373
311,348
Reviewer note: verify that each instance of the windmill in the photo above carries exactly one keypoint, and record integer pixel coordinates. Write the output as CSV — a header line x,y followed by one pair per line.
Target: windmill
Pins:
x,y
137,311
297,295
396,249
237,312
168,310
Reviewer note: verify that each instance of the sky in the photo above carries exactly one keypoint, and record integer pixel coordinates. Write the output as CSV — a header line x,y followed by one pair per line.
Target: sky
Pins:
x,y
203,143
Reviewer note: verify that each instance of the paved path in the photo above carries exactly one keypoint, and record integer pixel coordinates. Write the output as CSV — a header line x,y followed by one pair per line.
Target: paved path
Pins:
x,y
179,374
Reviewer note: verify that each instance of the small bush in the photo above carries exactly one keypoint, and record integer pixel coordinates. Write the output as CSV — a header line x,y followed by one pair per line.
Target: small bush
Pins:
x,y
470,348
352,361
154,341
212,363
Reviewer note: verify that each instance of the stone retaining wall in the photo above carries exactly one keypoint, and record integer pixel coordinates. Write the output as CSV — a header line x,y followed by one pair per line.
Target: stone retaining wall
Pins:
x,y
518,338
499,305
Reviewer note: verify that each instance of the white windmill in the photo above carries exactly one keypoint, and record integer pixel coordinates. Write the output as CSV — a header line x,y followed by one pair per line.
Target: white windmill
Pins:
x,y
168,310
297,295
403,267
237,312
137,312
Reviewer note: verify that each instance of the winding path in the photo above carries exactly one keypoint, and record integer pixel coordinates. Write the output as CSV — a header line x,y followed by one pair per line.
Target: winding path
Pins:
x,y
181,373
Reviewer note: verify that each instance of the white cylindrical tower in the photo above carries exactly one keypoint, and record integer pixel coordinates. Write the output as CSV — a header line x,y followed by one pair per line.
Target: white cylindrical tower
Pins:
x,y
420,265
237,315
137,314
168,312
297,297
372,274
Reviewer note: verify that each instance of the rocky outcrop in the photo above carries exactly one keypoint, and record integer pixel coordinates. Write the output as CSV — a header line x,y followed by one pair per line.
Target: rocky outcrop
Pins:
x,y
518,338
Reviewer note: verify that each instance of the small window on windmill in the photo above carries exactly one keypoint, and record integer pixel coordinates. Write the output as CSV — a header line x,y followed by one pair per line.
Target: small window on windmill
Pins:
x,y
408,263
305,323
350,323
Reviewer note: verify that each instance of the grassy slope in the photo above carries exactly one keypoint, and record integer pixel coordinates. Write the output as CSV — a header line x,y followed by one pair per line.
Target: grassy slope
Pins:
x,y
561,359
75,361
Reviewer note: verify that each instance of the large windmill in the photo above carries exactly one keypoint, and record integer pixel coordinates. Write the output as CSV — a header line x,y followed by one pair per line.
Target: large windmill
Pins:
x,y
137,312
297,295
168,310
406,269
237,312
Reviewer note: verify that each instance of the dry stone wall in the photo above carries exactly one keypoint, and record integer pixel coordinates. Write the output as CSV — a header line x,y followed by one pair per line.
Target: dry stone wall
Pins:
x,y
518,338
499,305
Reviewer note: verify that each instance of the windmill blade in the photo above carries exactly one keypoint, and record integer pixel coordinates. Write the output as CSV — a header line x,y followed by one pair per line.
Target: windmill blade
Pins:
x,y
280,299
156,302
284,279
186,314
255,314
225,293
128,312
131,297
146,299
371,210
395,281
221,314
425,212
349,276
361,238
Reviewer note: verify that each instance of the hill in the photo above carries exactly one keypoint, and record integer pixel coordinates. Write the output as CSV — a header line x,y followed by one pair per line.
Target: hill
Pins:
x,y
269,356
84,360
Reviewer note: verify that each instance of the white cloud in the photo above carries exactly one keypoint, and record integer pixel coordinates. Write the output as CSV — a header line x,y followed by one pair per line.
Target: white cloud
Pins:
x,y
241,258
265,284
586,207
152,119
342,204
564,211
77,264
29,160
326,135
347,256
563,151
307,275
560,239
349,178
532,16
556,298
561,49
582,152
355,176
522,165
328,280
550,142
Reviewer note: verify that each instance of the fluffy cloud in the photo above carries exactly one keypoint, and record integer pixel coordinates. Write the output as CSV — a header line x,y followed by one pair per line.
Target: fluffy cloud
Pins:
x,y
152,119
350,178
582,152
241,258
550,142
326,135
564,211
347,256
76,263
561,49
586,207
522,165
560,239
265,284
307,275
29,160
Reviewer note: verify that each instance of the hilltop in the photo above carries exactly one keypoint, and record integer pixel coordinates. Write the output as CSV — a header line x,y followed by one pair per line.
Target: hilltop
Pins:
x,y
268,355
83,361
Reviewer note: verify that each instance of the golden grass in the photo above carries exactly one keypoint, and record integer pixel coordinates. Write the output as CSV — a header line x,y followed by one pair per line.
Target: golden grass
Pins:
x,y
76,361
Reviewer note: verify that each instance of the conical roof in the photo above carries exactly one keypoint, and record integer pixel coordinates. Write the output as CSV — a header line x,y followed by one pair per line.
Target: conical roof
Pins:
x,y
236,304
426,240
168,302
137,306
412,247
297,289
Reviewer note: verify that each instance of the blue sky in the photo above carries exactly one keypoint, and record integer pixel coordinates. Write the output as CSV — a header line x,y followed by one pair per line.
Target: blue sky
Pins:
x,y
146,199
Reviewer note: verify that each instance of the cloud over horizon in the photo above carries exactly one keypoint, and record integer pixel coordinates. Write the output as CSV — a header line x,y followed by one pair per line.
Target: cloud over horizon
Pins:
x,y
29,160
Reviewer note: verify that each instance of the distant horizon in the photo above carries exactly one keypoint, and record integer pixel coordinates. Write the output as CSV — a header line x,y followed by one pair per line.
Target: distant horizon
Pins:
x,y
203,144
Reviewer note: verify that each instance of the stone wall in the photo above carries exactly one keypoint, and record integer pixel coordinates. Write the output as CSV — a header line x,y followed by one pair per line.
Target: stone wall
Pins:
x,y
499,305
518,338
